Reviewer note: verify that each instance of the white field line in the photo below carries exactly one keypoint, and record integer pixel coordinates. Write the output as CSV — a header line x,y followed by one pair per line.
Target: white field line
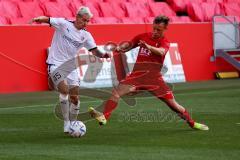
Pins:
x,y
47,105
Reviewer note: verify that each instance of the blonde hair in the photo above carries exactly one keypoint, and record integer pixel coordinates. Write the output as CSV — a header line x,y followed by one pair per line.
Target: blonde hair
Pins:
x,y
84,10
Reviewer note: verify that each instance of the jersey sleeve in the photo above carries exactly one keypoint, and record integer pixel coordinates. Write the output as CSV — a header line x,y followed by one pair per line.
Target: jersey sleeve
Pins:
x,y
165,44
135,40
57,22
90,42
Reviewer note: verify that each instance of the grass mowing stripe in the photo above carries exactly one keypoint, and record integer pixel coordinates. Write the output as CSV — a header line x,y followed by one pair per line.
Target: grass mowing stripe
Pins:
x,y
180,94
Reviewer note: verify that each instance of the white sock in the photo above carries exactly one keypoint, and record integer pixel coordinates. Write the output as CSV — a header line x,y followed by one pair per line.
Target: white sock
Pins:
x,y
74,110
64,102
66,123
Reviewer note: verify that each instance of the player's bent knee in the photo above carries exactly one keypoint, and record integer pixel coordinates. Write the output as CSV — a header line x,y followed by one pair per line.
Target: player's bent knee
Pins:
x,y
63,97
115,98
63,92
74,99
62,87
115,94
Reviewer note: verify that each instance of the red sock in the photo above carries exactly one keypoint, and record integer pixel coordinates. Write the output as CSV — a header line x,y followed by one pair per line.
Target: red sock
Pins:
x,y
186,116
110,105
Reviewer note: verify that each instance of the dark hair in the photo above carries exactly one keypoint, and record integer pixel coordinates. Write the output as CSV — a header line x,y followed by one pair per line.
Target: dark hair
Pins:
x,y
161,19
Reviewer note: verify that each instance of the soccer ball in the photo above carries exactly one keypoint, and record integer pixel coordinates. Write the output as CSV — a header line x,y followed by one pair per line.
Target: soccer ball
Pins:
x,y
77,129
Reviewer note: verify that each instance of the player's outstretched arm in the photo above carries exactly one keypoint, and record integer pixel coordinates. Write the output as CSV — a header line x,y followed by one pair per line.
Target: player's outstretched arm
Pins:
x,y
125,46
40,19
96,52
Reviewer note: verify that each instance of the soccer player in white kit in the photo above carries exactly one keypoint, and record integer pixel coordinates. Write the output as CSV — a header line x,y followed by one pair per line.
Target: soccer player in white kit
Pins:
x,y
68,38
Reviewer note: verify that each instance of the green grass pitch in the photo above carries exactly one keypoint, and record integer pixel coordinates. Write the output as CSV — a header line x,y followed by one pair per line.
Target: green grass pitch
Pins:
x,y
30,131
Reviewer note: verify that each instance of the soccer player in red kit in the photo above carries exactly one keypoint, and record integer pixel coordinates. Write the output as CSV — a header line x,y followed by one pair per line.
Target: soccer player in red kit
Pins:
x,y
146,75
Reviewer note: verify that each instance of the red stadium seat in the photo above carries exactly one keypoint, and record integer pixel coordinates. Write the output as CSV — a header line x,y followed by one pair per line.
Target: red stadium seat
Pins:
x,y
173,19
131,20
210,10
195,12
43,1
92,1
112,10
214,1
115,1
180,19
181,5
74,6
231,1
161,8
202,12
232,9
137,9
144,1
74,18
4,21
19,20
55,9
149,19
94,7
105,20
30,9
10,9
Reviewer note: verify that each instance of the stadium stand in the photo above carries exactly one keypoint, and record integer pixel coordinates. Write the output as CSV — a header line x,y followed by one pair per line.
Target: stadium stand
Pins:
x,y
135,20
94,7
4,20
232,8
119,11
214,1
9,9
112,10
93,1
136,9
17,21
232,1
30,9
203,12
115,1
182,19
174,19
181,5
141,1
106,20
55,9
73,5
161,8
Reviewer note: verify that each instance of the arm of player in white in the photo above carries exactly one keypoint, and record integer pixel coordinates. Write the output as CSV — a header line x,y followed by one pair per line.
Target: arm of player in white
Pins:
x,y
40,19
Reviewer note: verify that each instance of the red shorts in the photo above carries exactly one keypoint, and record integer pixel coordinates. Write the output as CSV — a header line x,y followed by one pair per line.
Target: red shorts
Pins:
x,y
150,81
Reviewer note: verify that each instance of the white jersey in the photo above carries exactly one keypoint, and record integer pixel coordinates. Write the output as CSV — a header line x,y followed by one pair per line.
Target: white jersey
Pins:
x,y
67,40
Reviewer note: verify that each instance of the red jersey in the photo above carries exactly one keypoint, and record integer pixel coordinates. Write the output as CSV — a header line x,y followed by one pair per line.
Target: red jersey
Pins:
x,y
147,60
